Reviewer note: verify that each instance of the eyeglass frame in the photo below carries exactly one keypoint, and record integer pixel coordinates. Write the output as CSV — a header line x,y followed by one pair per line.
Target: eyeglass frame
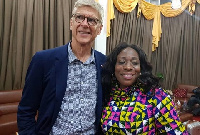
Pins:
x,y
96,20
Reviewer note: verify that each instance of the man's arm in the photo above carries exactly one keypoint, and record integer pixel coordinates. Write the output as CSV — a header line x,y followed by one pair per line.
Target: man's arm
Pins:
x,y
31,97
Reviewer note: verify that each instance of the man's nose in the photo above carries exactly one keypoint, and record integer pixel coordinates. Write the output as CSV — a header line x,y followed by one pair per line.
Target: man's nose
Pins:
x,y
85,22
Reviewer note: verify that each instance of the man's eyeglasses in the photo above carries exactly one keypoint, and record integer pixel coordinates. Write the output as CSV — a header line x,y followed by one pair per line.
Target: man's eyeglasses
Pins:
x,y
91,21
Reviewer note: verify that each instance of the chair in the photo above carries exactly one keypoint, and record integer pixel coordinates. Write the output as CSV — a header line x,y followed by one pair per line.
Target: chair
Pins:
x,y
9,101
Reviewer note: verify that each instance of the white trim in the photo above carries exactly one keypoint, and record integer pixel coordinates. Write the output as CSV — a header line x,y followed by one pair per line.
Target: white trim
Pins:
x,y
100,41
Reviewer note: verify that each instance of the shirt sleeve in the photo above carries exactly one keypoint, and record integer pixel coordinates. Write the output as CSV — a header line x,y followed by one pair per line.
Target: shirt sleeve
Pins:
x,y
166,117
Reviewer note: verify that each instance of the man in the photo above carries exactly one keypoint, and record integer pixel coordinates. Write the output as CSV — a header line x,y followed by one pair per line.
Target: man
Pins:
x,y
63,85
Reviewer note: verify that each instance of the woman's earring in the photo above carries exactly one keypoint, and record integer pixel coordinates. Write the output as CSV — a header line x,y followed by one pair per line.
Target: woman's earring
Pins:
x,y
113,77
140,73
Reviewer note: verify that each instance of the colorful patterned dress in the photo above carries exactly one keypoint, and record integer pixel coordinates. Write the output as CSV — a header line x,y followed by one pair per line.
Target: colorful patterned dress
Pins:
x,y
129,111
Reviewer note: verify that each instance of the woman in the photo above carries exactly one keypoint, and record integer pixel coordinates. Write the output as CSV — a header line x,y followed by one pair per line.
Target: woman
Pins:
x,y
134,101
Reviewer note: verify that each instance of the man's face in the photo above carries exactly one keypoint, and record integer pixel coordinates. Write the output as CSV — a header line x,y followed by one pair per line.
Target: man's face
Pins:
x,y
83,26
127,67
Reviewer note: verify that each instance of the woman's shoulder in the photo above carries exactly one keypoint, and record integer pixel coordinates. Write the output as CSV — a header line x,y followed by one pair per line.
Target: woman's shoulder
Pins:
x,y
160,96
158,93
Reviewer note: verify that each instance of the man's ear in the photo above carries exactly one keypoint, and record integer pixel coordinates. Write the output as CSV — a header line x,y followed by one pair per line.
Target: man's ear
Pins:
x,y
99,29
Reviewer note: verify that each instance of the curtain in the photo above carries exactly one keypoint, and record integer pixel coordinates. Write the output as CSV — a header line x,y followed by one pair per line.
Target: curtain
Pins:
x,y
27,26
178,54
126,27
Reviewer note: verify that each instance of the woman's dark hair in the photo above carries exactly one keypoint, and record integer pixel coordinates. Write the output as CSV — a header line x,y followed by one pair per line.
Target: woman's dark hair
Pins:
x,y
147,79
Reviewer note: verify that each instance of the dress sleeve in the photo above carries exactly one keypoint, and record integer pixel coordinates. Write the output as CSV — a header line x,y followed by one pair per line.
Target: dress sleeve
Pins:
x,y
166,117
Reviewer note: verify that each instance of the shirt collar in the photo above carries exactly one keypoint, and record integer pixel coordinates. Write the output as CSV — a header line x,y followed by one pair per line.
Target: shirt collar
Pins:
x,y
73,58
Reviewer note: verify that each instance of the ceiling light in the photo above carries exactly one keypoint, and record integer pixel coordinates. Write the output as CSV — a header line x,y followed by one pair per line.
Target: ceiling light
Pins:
x,y
176,4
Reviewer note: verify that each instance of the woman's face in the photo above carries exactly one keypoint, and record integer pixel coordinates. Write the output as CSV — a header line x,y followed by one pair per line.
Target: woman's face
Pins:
x,y
127,67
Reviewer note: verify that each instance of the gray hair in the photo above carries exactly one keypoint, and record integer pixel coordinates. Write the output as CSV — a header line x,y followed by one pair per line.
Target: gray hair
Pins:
x,y
91,3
